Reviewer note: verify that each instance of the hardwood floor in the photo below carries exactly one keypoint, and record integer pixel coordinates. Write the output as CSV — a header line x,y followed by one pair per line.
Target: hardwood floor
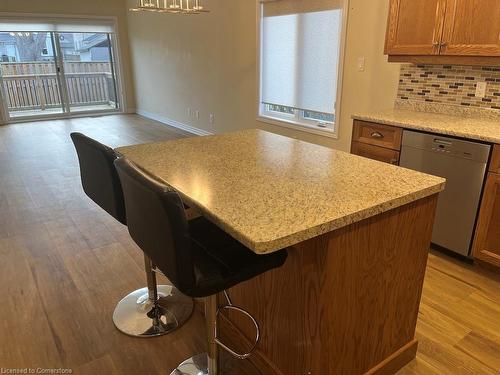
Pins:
x,y
65,264
459,320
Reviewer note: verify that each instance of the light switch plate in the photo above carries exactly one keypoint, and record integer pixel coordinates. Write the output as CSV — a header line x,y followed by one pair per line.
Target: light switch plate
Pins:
x,y
361,64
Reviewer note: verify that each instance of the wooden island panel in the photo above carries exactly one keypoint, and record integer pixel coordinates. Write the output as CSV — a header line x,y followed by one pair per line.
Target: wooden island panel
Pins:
x,y
345,302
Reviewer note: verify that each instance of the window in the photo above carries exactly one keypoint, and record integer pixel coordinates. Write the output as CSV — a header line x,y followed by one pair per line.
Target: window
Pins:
x,y
300,46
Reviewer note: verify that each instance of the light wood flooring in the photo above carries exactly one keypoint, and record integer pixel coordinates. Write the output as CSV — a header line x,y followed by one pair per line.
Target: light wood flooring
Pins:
x,y
64,264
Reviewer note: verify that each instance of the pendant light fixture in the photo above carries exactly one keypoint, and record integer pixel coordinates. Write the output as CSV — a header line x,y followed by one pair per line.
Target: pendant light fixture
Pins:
x,y
171,6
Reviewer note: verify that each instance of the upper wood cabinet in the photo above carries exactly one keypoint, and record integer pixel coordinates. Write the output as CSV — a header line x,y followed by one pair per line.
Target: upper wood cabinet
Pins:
x,y
471,28
444,28
415,27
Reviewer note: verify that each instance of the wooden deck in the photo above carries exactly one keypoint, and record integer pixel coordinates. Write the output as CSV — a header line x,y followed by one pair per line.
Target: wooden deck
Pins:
x,y
57,111
32,89
65,264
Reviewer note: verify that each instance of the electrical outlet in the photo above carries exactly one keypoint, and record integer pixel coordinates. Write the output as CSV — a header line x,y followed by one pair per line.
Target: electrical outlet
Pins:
x,y
190,112
197,113
212,119
481,89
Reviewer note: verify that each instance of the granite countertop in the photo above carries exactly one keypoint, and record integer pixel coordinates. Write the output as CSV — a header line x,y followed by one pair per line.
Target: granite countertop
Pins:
x,y
270,192
475,128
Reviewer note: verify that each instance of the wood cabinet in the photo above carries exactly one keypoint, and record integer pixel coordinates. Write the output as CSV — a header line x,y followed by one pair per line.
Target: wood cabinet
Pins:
x,y
376,141
495,160
471,28
377,134
383,143
487,240
376,153
444,31
415,27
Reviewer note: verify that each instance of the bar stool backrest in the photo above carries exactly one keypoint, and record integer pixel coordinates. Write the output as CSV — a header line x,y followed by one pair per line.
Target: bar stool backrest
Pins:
x,y
100,180
157,223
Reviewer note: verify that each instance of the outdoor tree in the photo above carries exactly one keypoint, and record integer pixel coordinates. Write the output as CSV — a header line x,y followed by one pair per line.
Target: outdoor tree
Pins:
x,y
31,45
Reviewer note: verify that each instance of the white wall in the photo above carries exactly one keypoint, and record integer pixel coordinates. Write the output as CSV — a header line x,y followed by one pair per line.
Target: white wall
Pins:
x,y
208,63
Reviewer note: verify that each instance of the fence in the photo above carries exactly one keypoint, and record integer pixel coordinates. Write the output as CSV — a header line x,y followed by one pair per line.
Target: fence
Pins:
x,y
31,86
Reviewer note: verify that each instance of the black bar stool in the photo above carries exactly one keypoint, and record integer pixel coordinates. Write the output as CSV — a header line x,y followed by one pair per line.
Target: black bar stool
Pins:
x,y
146,312
198,258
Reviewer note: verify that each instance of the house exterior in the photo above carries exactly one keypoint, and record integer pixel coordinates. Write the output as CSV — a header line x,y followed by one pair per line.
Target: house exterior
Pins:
x,y
75,47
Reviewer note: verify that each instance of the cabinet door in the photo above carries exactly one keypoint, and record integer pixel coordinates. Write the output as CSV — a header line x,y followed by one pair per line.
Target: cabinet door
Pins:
x,y
495,160
415,27
376,153
472,28
487,241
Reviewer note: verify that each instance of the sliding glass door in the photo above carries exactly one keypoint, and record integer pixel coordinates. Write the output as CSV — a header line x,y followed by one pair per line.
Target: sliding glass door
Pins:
x,y
31,85
89,71
55,69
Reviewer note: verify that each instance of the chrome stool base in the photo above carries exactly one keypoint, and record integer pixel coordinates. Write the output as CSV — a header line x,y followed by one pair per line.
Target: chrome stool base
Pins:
x,y
136,315
197,365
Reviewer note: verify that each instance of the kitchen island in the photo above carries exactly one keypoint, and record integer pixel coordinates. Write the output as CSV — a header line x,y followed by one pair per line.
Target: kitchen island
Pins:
x,y
358,233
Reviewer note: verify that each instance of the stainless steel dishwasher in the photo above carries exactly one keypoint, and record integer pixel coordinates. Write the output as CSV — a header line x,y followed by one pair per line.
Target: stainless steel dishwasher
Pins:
x,y
463,164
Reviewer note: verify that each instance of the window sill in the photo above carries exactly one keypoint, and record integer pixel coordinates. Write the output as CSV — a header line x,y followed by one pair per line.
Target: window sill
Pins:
x,y
325,132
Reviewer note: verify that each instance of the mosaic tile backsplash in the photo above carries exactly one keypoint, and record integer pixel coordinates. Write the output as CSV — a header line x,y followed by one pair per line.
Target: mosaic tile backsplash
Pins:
x,y
450,84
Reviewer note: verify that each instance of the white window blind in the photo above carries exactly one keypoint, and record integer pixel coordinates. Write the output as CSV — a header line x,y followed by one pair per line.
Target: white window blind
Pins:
x,y
300,46
76,25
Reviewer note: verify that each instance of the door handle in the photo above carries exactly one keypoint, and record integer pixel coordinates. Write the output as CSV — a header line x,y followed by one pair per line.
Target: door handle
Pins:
x,y
377,135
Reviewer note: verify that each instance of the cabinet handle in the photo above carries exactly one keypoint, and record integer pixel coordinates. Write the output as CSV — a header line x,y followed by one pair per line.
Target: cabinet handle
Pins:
x,y
443,44
377,135
436,44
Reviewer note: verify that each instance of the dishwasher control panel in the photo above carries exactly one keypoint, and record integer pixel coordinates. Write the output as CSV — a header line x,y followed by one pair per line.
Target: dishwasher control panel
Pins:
x,y
447,146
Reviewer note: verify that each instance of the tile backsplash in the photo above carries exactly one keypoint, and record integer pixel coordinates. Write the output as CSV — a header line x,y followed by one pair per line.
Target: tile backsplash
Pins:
x,y
450,84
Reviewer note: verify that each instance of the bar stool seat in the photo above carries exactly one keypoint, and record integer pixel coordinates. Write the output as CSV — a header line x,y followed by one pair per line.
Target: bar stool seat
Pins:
x,y
147,312
221,262
200,259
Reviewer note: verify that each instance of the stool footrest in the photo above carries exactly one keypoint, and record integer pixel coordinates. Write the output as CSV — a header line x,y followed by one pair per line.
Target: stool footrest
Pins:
x,y
217,340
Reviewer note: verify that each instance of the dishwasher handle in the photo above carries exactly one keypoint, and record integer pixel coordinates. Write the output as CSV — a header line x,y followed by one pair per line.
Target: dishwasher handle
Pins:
x,y
443,142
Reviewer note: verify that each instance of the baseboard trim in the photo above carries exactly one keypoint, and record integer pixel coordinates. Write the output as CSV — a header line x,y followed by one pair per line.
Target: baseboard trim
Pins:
x,y
396,361
389,366
176,124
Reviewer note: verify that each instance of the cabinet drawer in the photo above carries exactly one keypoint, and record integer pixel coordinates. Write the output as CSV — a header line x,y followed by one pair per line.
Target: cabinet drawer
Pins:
x,y
495,160
377,134
375,152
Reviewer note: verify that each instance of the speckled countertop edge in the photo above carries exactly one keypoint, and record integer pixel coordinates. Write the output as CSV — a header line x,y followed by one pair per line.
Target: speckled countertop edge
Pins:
x,y
473,128
269,247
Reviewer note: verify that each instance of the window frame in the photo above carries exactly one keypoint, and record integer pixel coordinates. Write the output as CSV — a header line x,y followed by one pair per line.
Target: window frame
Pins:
x,y
297,121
